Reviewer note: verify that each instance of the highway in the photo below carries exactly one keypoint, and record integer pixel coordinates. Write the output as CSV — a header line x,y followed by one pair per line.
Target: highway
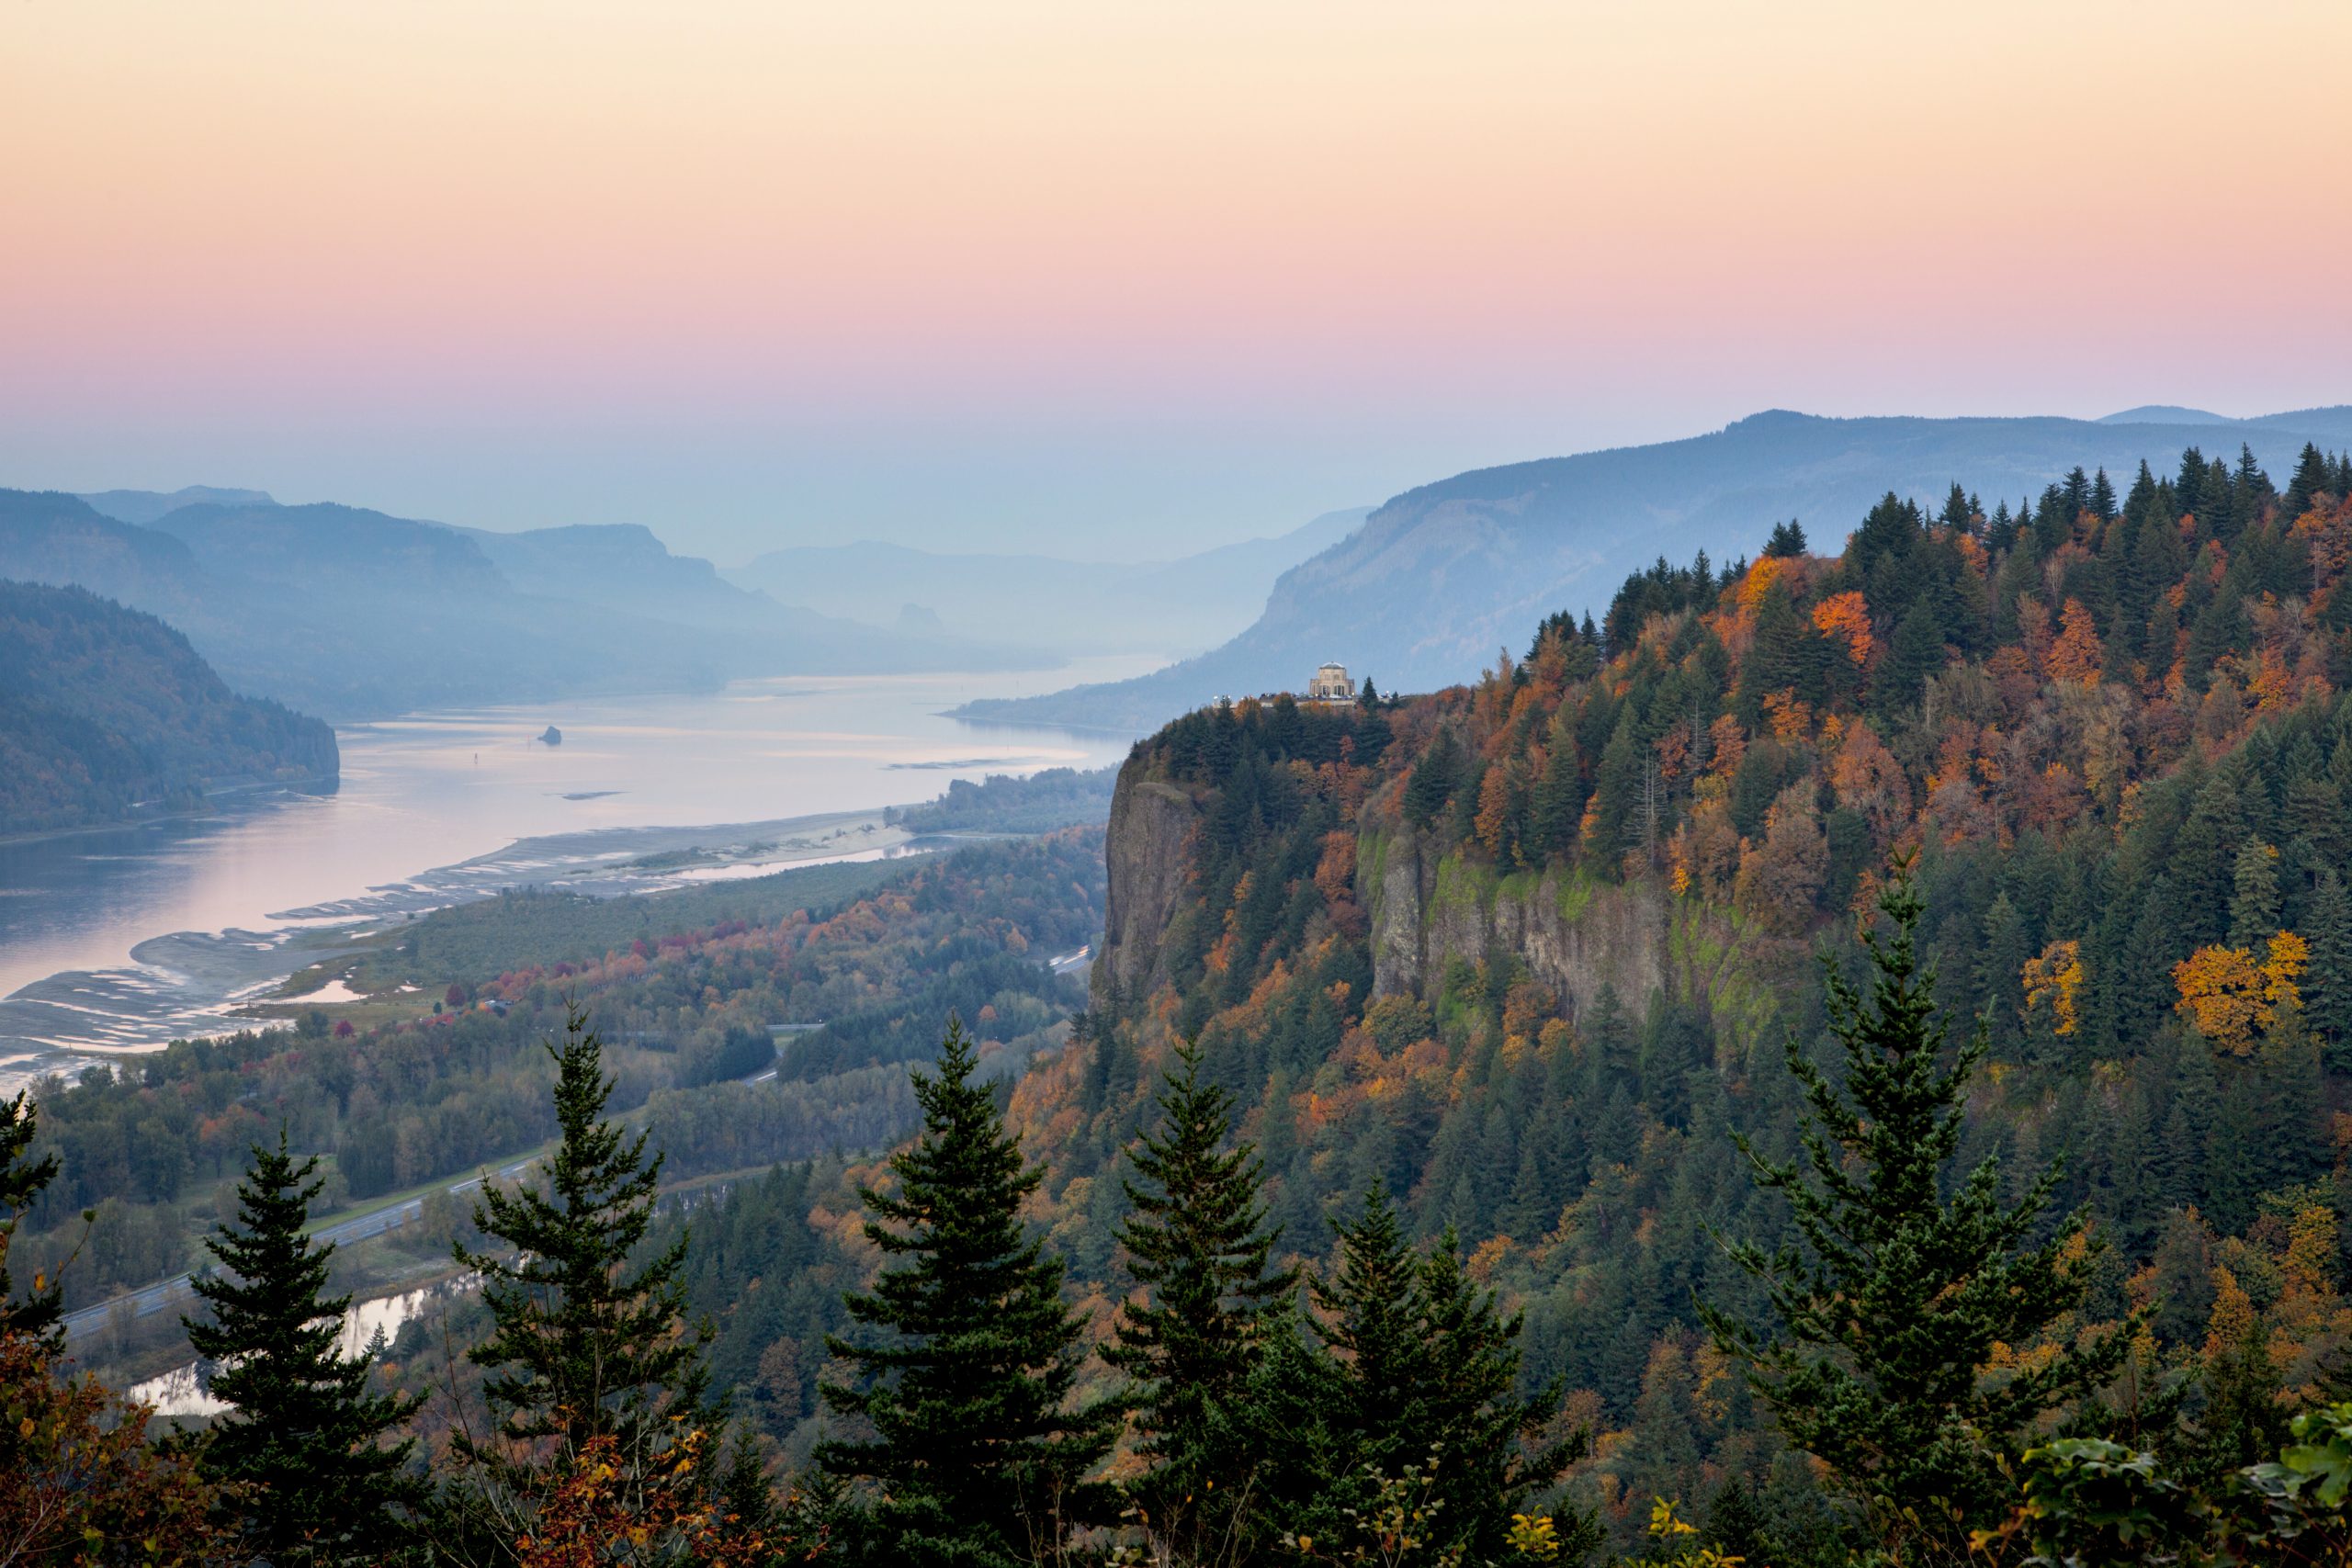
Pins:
x,y
175,1292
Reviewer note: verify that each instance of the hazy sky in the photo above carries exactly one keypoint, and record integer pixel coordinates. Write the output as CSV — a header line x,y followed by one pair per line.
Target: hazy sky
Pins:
x,y
1121,278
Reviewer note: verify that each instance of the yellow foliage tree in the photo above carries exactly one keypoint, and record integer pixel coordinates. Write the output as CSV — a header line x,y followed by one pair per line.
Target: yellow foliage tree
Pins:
x,y
2052,982
2232,996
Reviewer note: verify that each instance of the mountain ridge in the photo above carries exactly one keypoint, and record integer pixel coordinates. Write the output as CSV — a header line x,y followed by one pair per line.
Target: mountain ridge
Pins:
x,y
1443,573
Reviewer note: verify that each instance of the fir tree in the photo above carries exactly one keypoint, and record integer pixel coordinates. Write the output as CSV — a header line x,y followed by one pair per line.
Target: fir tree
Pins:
x,y
1787,539
22,1179
1432,783
1467,1405
1417,1368
967,1388
585,1343
1916,653
2312,478
2254,896
1197,1240
2330,983
304,1440
1892,1311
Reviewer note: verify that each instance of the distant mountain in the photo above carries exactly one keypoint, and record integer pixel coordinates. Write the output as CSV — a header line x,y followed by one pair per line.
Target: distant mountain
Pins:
x,y
1438,578
105,711
354,613
1076,607
2164,413
146,506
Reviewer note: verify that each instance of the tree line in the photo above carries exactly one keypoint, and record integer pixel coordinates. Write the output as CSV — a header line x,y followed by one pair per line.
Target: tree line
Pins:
x,y
1917,1343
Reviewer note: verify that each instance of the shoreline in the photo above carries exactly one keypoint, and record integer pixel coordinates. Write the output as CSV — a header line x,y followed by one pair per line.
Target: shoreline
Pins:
x,y
186,983
303,785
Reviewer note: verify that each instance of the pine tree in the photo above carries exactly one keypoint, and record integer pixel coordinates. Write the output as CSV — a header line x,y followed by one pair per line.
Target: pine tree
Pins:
x,y
585,1343
1198,1241
1433,781
1916,653
1467,1404
2329,1005
1373,1318
22,1179
967,1386
304,1440
1907,1284
2254,896
2312,479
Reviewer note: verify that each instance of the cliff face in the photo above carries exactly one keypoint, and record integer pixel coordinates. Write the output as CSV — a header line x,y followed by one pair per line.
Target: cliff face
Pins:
x,y
1146,856
1427,908
1575,935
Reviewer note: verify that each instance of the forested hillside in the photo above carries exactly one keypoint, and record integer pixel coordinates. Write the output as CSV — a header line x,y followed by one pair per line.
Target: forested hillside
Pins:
x,y
104,711
1437,577
1544,1118
1526,951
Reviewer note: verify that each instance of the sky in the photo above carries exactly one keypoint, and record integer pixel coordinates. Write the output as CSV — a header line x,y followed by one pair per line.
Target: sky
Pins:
x,y
1121,280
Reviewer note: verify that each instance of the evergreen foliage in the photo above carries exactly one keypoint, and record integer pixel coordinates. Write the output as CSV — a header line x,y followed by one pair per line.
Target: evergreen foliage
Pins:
x,y
965,1382
1892,1313
306,1450
1412,1370
23,1178
587,1339
1198,1243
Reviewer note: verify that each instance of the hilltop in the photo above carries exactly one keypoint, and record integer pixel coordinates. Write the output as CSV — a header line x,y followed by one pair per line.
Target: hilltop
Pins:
x,y
105,712
354,612
1437,578
1527,952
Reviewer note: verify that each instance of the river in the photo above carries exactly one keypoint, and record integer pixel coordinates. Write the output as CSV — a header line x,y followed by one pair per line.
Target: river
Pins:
x,y
123,939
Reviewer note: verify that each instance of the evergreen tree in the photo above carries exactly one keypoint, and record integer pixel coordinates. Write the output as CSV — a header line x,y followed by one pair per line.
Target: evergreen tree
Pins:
x,y
967,1388
1787,540
1917,652
22,1179
1433,781
1891,1313
2102,497
585,1343
1469,1409
2329,984
304,1440
2254,899
2312,479
1417,1370
1198,1241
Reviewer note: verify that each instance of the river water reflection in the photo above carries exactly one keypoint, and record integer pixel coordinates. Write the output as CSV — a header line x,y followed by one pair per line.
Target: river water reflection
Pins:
x,y
82,917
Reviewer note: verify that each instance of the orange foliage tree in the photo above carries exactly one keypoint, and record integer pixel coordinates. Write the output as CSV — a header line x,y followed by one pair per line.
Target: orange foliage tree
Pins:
x,y
2232,995
2077,654
1846,619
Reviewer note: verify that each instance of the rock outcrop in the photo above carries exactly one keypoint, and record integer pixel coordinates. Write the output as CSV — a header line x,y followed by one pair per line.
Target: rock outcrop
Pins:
x,y
1149,862
1576,934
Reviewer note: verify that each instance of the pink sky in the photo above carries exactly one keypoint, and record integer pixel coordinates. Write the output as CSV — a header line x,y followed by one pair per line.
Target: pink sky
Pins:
x,y
1123,278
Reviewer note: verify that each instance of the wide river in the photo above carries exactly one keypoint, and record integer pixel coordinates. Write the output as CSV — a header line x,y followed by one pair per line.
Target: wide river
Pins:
x,y
127,937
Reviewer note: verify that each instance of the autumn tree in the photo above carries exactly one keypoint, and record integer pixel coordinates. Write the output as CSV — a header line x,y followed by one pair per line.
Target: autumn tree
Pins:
x,y
2233,994
2075,654
1891,1310
80,1483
